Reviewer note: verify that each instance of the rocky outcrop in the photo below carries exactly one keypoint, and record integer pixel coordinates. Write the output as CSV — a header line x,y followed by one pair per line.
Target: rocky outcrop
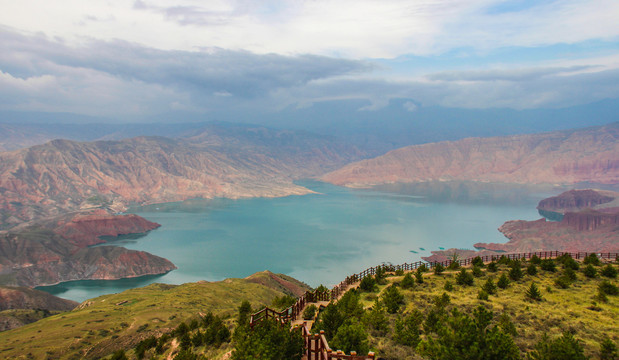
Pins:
x,y
566,157
39,255
589,220
86,230
575,200
25,298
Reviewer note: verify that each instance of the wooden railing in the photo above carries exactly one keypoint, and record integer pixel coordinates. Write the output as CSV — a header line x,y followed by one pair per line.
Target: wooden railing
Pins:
x,y
316,345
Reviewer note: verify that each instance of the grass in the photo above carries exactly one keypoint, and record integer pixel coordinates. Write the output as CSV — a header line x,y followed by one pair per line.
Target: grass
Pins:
x,y
119,321
572,309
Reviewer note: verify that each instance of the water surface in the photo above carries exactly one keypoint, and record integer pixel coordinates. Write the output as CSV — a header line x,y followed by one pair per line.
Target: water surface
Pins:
x,y
318,238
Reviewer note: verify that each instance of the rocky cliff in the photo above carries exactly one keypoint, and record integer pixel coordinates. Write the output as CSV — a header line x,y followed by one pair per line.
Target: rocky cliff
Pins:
x,y
576,200
37,255
565,157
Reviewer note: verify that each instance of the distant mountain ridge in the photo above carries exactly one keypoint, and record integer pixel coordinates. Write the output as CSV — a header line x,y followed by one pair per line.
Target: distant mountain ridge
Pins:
x,y
561,157
232,162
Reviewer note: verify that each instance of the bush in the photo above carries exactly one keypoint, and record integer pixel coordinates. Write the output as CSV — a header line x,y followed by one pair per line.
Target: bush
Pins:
x,y
419,276
590,271
376,318
269,338
448,286
503,282
477,271
515,273
380,275
533,293
482,295
535,260
119,355
351,337
608,350
399,272
489,286
492,267
565,347
568,262
454,262
503,260
563,282
283,302
607,288
408,329
368,283
464,278
407,282
438,269
309,312
609,271
592,259
570,274
392,298
548,265
532,269
477,261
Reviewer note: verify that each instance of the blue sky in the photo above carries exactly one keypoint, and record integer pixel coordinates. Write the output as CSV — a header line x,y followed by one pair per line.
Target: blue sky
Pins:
x,y
128,59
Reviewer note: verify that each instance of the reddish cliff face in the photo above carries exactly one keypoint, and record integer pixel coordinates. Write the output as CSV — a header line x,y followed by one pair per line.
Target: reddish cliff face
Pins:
x,y
36,256
575,200
588,155
86,230
589,220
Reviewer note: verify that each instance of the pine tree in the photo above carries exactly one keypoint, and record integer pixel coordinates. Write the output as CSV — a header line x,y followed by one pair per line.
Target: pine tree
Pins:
x,y
533,292
503,282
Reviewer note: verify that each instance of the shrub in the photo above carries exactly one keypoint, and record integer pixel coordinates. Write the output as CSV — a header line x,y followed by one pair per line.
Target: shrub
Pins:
x,y
368,283
269,338
464,278
283,302
515,273
408,329
119,355
482,295
407,282
608,350
492,267
532,269
454,262
423,268
563,282
570,274
592,259
448,286
392,298
609,271
590,271
376,318
380,274
419,276
548,265
351,337
503,260
535,260
309,312
600,297
438,269
503,282
565,347
607,288
533,293
399,272
568,262
477,271
489,286
477,261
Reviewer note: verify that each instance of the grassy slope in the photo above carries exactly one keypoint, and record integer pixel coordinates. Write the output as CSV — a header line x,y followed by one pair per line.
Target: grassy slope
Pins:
x,y
561,309
107,323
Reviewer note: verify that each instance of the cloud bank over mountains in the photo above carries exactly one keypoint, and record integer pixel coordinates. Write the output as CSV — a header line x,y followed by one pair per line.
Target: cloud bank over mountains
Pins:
x,y
128,60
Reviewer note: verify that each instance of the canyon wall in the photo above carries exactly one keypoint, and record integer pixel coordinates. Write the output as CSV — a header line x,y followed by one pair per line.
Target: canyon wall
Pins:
x,y
565,157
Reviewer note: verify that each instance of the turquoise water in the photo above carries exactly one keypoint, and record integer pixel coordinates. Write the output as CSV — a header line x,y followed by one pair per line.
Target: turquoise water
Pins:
x,y
319,238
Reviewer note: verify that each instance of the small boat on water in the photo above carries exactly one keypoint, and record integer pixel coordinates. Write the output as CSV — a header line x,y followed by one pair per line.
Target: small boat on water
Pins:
x,y
422,249
440,248
413,251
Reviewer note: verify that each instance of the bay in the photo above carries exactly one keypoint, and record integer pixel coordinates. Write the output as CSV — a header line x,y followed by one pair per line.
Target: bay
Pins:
x,y
318,238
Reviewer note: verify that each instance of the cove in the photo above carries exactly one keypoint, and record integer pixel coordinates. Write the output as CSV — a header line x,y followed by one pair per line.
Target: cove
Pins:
x,y
318,238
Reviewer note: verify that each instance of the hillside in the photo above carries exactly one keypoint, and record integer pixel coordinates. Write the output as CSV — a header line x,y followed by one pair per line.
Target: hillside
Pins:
x,y
105,324
20,306
232,162
564,157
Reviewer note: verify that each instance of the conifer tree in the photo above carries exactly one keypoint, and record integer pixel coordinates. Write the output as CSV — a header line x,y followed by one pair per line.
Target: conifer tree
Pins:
x,y
533,292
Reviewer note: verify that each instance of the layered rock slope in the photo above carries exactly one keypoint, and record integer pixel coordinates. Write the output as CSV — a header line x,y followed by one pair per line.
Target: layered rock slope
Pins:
x,y
564,157
233,162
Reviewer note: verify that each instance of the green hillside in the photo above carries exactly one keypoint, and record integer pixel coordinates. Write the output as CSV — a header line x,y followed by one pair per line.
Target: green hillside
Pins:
x,y
100,326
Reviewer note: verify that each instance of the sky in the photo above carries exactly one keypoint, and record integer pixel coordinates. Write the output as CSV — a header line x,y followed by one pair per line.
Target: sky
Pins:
x,y
128,59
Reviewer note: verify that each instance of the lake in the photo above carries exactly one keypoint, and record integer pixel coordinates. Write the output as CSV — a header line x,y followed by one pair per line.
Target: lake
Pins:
x,y
319,238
